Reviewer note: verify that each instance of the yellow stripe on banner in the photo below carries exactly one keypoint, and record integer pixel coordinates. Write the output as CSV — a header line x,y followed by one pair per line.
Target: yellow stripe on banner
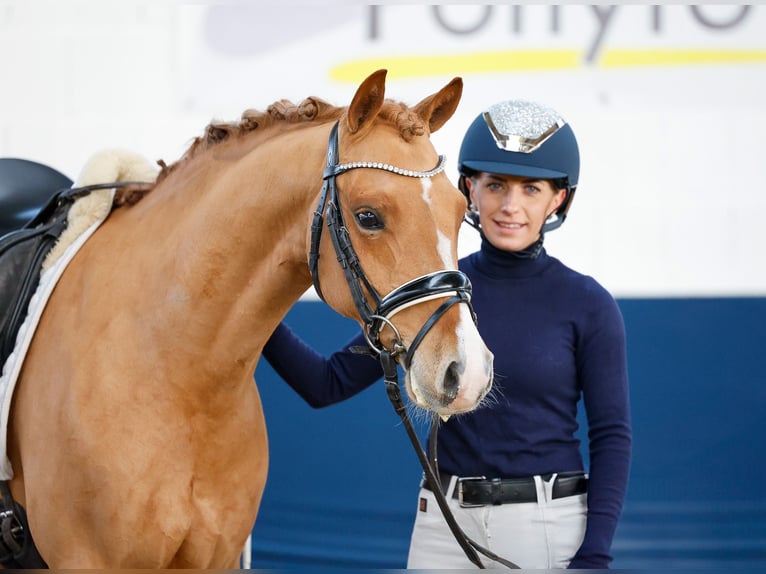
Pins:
x,y
400,67
418,66
632,58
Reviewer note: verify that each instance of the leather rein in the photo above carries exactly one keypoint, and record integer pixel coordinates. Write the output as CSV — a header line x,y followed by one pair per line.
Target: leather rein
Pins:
x,y
452,285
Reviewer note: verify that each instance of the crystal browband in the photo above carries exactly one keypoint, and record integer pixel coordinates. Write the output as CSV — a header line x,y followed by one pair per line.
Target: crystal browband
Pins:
x,y
340,168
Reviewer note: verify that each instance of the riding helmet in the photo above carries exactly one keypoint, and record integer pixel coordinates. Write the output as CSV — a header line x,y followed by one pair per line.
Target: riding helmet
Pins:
x,y
523,138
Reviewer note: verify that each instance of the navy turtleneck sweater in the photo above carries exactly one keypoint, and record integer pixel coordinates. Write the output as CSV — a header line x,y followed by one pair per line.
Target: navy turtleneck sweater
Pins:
x,y
557,336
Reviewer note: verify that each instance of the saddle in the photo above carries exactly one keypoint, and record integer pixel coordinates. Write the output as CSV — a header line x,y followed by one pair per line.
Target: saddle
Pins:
x,y
22,253
30,223
25,188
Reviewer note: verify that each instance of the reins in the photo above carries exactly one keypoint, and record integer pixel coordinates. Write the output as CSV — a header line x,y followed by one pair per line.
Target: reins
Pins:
x,y
430,469
454,286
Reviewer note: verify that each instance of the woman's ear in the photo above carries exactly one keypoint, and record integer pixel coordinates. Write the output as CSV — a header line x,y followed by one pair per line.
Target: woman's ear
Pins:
x,y
468,182
559,199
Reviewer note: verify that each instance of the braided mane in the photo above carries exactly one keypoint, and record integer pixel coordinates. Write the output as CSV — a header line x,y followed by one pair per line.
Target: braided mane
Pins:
x,y
284,112
280,113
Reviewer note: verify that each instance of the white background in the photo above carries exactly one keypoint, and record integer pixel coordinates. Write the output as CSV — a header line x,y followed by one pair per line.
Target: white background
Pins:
x,y
670,201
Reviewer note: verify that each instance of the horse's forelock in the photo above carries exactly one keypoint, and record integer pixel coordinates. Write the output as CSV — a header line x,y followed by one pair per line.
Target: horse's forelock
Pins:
x,y
409,123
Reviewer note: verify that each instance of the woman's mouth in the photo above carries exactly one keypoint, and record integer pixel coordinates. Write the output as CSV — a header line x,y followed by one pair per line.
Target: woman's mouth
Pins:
x,y
508,225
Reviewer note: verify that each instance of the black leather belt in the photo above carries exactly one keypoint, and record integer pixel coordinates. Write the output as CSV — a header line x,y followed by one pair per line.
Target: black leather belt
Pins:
x,y
480,491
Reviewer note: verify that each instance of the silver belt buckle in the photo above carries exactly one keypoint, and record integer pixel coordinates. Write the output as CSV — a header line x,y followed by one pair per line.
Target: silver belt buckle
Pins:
x,y
459,487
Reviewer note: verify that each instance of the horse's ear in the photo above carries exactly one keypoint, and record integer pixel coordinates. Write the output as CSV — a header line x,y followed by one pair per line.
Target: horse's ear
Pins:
x,y
367,101
439,107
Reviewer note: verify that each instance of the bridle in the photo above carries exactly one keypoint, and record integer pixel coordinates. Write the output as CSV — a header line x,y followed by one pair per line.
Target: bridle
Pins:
x,y
376,311
452,285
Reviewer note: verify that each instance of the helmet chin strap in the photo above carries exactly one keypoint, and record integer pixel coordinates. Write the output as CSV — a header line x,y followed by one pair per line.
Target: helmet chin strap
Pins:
x,y
531,251
550,225
471,217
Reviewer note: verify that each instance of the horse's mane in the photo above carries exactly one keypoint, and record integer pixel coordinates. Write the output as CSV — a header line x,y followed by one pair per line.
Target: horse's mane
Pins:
x,y
286,113
279,114
282,112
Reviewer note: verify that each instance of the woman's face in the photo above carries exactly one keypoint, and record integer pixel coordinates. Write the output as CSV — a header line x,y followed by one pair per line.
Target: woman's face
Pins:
x,y
512,209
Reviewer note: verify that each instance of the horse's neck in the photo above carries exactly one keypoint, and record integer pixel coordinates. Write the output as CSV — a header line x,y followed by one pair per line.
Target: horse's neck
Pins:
x,y
237,248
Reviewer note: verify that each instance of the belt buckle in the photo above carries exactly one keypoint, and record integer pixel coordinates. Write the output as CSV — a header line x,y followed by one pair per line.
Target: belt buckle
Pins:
x,y
459,487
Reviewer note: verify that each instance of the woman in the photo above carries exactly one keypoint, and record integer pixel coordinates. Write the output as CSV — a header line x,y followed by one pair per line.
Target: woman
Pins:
x,y
512,470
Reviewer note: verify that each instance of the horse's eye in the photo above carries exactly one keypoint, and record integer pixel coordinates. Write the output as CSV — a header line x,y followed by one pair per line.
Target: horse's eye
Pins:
x,y
369,220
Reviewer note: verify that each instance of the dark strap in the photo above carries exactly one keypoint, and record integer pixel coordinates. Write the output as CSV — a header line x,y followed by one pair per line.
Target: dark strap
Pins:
x,y
68,196
432,284
22,253
17,548
317,223
470,547
349,260
462,297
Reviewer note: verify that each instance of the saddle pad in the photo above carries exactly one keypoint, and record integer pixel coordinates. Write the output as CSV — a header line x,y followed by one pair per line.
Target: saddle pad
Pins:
x,y
12,367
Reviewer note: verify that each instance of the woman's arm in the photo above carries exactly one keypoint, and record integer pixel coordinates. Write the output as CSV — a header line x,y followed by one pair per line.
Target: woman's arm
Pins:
x,y
320,380
602,370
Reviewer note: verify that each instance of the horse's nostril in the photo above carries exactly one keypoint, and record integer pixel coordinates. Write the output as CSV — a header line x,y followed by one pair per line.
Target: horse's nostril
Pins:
x,y
451,383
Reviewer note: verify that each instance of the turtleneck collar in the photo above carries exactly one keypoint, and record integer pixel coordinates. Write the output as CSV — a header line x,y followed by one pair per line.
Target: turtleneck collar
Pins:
x,y
500,263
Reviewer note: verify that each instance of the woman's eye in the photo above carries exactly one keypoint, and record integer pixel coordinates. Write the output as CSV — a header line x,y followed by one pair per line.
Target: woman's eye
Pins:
x,y
369,220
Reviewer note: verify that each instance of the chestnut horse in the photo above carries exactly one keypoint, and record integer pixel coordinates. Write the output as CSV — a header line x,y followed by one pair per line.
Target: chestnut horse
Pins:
x,y
137,437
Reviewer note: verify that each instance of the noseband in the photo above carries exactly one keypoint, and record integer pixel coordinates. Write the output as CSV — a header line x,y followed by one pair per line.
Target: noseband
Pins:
x,y
377,312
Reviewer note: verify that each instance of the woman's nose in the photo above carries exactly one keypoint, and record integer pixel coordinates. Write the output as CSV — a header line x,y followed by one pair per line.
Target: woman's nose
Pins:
x,y
509,202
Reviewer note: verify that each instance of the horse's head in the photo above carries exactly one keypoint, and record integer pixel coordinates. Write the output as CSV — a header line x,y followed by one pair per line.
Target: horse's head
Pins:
x,y
391,219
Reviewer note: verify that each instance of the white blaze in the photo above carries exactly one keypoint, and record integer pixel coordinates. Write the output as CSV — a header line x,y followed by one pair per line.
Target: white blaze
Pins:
x,y
444,247
443,243
426,183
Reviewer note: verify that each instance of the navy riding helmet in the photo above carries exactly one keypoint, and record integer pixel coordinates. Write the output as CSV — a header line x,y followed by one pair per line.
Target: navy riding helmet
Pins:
x,y
526,139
